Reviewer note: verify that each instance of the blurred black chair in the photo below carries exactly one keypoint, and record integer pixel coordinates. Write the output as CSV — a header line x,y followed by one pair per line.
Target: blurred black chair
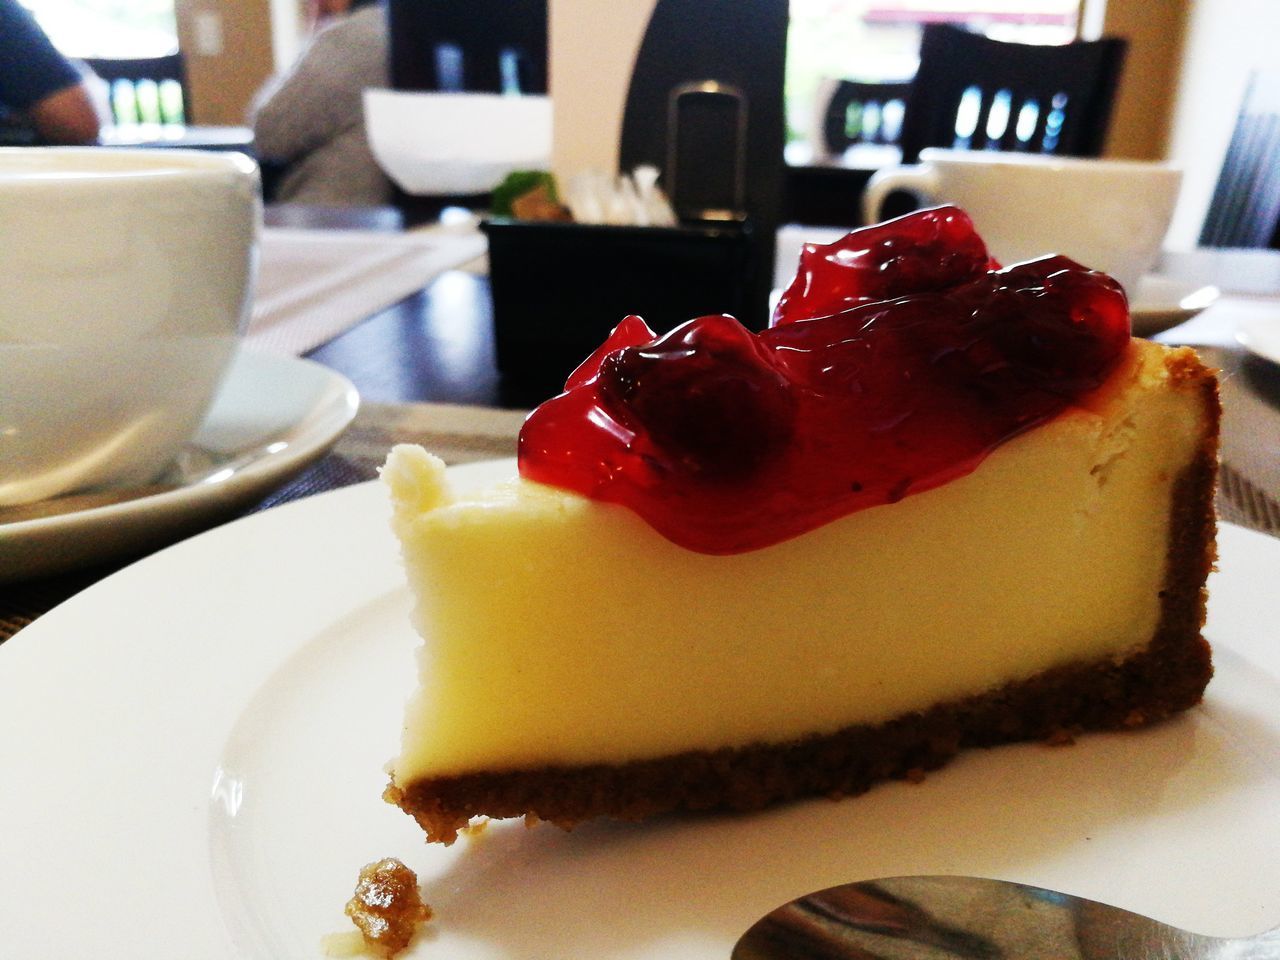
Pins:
x,y
972,92
146,89
486,46
705,106
464,46
857,113
1245,208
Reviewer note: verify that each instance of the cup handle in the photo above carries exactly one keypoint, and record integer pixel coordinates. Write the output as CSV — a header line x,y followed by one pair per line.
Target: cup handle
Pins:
x,y
920,179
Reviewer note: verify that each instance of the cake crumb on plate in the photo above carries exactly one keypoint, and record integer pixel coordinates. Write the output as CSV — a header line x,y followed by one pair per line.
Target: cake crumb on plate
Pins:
x,y
387,910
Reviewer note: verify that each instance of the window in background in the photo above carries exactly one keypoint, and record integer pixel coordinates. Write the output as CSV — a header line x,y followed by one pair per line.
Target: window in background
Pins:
x,y
108,28
879,40
118,29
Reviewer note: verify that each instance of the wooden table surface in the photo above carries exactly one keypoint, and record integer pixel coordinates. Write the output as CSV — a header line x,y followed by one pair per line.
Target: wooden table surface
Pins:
x,y
434,346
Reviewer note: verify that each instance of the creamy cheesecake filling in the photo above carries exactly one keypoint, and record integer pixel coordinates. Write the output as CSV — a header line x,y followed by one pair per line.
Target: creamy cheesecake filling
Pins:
x,y
530,598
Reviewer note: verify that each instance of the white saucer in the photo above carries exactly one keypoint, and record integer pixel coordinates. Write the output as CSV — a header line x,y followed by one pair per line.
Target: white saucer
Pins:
x,y
272,417
1260,336
200,738
1161,303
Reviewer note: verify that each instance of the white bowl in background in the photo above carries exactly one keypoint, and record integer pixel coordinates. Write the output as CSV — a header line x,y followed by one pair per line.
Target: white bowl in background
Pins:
x,y
456,143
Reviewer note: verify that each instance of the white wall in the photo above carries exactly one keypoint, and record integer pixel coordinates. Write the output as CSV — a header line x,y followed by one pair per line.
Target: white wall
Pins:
x,y
593,47
286,32
1226,40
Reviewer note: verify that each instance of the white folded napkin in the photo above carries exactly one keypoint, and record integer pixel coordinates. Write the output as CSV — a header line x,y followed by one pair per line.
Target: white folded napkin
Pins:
x,y
315,284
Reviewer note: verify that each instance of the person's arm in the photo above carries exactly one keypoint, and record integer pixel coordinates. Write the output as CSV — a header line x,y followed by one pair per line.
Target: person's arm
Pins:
x,y
322,95
66,116
39,83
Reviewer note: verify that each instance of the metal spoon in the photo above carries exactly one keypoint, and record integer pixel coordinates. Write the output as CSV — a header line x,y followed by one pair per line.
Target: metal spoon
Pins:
x,y
947,918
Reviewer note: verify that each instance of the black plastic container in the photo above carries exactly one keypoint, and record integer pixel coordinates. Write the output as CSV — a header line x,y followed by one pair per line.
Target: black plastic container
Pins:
x,y
559,288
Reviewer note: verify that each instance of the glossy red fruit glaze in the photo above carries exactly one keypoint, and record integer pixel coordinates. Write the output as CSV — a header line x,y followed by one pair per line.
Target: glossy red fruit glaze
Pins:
x,y
726,441
930,250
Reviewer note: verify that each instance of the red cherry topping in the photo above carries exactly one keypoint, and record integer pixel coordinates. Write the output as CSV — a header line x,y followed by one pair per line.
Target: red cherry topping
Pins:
x,y
901,370
930,250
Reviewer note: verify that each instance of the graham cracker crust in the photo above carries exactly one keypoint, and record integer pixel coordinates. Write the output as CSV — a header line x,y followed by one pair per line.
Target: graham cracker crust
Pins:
x,y
1169,676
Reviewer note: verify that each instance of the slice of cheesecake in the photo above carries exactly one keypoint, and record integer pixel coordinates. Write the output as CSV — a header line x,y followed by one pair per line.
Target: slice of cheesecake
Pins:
x,y
580,661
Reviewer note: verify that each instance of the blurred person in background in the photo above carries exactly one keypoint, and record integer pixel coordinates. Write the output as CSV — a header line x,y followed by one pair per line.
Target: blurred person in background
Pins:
x,y
320,13
308,124
43,98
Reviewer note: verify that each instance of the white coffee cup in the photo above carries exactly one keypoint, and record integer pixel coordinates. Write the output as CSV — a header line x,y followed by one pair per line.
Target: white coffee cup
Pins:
x,y
125,281
1109,215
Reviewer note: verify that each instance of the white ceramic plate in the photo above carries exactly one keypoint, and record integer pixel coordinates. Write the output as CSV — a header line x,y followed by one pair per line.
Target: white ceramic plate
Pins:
x,y
272,417
1162,303
192,753
1260,335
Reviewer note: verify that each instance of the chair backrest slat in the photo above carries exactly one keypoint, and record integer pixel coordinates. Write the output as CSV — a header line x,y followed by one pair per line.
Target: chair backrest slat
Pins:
x,y
852,98
145,89
979,139
1245,208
